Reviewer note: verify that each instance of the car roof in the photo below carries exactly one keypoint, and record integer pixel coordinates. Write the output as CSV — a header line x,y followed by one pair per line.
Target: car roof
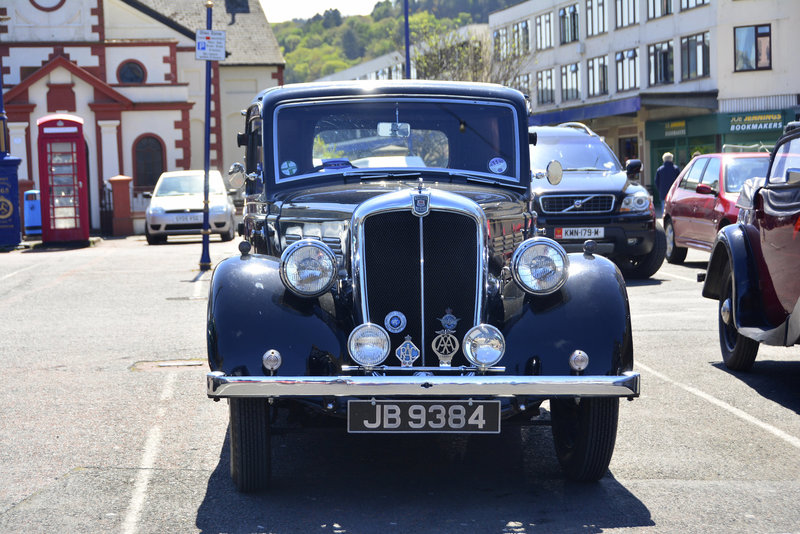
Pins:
x,y
571,129
735,155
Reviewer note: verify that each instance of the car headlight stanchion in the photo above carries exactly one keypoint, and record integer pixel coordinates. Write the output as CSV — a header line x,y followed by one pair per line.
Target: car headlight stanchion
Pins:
x,y
308,268
540,266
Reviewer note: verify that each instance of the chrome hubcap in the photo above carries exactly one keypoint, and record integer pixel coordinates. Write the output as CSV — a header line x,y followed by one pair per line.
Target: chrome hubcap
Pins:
x,y
725,311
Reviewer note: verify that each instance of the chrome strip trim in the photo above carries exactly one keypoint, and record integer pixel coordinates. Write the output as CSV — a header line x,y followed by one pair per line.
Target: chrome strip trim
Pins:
x,y
218,386
402,200
422,283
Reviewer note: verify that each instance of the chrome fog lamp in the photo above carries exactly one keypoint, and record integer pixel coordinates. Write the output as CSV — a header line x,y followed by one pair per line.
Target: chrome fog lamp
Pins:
x,y
540,266
578,360
271,360
484,345
368,345
308,267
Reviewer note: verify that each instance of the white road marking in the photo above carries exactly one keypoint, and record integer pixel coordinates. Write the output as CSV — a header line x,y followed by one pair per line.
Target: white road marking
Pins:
x,y
9,275
151,446
679,277
788,438
200,285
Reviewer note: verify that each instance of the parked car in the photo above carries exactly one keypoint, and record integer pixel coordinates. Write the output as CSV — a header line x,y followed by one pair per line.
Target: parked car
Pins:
x,y
393,280
754,262
703,199
176,206
598,199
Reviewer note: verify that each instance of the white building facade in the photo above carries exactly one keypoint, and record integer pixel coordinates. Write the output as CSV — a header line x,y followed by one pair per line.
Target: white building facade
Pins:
x,y
653,76
127,69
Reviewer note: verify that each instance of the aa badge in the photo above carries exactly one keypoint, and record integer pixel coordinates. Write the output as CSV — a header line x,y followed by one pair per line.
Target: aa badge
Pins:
x,y
445,346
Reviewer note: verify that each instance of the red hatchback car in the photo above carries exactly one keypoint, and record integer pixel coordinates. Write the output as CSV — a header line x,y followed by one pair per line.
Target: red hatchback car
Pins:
x,y
703,199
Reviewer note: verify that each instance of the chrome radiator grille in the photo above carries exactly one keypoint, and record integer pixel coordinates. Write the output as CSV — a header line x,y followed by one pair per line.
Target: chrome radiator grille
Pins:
x,y
567,204
422,267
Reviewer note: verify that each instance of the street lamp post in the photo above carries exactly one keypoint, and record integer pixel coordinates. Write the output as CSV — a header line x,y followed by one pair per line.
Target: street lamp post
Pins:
x,y
408,42
205,257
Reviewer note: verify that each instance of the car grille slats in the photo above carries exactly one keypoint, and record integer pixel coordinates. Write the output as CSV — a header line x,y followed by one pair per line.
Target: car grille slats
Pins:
x,y
568,204
394,243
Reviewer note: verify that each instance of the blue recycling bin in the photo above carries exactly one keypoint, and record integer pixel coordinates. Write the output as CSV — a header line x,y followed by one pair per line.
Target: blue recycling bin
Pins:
x,y
33,212
10,231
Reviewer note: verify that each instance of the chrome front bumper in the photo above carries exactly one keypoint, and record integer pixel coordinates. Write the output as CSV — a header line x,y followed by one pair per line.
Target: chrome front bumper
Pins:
x,y
220,386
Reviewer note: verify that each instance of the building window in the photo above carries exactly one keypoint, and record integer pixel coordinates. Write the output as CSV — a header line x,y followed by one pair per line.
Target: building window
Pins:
x,y
521,38
131,72
568,23
595,17
545,93
544,31
753,47
597,68
523,83
661,63
658,8
148,157
689,4
501,43
627,13
627,70
570,82
695,56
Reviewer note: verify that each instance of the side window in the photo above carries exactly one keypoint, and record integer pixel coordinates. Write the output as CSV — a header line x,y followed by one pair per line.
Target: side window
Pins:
x,y
787,158
711,174
255,152
692,178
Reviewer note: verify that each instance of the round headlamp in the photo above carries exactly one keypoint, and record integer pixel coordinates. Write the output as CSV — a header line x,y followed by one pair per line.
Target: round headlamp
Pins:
x,y
539,266
308,267
639,201
368,345
484,345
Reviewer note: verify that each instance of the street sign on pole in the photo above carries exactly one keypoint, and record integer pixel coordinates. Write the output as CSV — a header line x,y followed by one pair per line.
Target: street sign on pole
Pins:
x,y
210,45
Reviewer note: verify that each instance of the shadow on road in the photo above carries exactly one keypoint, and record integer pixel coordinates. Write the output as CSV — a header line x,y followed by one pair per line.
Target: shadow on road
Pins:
x,y
332,482
773,380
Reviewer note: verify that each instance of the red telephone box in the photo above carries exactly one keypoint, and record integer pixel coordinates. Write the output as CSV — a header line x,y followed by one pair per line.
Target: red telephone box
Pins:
x,y
62,178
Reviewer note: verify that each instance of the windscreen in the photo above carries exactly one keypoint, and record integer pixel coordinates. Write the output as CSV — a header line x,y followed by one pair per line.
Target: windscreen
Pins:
x,y
574,152
479,138
737,170
187,184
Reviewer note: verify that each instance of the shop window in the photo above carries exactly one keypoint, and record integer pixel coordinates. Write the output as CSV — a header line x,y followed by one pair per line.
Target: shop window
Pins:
x,y
598,75
148,158
595,17
695,56
544,31
570,82
131,72
568,23
627,70
660,55
545,93
627,13
752,47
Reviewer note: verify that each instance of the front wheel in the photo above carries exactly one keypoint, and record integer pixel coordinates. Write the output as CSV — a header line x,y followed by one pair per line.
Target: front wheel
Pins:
x,y
584,434
647,265
251,444
738,352
230,234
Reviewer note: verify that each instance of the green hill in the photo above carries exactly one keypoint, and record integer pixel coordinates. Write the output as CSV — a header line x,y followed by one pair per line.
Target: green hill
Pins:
x,y
329,42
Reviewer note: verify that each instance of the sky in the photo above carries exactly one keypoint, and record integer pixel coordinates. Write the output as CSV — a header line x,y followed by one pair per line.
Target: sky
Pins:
x,y
282,10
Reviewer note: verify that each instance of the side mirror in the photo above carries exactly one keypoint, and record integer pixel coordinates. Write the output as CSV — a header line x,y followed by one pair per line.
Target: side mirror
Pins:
x,y
236,175
532,138
704,189
633,167
147,194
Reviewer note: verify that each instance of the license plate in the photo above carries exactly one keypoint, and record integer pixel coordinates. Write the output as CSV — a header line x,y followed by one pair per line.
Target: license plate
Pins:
x,y
579,233
415,416
188,218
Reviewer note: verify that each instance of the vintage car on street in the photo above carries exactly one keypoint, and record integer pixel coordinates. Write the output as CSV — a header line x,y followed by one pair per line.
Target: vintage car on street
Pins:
x,y
393,279
753,270
703,199
598,199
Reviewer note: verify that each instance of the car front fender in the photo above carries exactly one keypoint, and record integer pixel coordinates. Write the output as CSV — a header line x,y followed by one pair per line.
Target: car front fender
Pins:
x,y
250,312
589,313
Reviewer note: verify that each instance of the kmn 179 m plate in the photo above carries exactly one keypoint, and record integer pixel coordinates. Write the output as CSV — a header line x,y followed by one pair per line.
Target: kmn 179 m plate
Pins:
x,y
423,416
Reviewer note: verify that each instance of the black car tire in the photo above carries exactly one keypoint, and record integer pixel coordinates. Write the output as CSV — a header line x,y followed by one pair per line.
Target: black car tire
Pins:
x,y
584,435
738,352
674,253
251,444
154,239
649,264
230,234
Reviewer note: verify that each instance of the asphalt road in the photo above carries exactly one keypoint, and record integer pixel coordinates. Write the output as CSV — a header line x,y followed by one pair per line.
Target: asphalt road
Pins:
x,y
105,426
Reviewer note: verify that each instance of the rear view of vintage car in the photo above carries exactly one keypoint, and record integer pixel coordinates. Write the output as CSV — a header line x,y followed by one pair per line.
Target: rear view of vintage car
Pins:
x,y
753,270
393,278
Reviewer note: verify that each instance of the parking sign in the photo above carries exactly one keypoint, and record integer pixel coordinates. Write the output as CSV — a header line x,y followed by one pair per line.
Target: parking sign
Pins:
x,y
210,45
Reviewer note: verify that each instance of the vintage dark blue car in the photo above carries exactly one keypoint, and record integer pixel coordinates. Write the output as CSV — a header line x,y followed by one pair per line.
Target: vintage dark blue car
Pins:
x,y
753,270
393,279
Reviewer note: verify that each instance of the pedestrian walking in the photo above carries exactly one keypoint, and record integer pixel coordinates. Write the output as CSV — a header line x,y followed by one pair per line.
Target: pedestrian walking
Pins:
x,y
665,175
